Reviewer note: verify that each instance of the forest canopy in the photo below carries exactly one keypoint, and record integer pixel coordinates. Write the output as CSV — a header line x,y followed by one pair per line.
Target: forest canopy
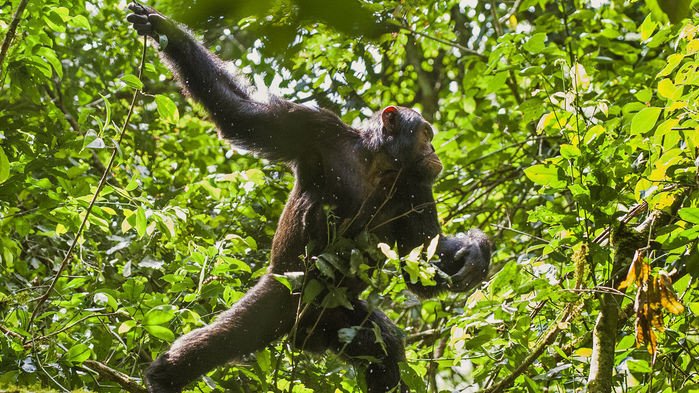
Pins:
x,y
568,131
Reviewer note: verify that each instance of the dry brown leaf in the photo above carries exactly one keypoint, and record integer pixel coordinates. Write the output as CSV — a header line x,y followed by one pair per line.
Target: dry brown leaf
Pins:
x,y
667,296
654,293
638,271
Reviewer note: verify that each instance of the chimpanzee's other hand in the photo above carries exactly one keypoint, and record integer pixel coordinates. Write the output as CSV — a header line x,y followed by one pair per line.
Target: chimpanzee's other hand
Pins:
x,y
465,258
149,22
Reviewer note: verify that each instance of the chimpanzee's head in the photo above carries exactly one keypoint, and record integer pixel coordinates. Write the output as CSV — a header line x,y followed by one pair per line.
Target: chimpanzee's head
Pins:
x,y
407,138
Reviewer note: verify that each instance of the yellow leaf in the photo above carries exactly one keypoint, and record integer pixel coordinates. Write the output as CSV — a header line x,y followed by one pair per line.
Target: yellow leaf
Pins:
x,y
688,31
667,296
60,229
676,105
545,121
634,269
512,22
668,90
663,200
693,47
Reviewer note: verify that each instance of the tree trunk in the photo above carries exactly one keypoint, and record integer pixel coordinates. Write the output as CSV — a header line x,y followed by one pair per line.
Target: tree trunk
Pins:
x,y
603,344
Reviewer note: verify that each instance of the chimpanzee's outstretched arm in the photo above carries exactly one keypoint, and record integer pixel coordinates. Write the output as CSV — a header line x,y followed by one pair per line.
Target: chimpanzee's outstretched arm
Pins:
x,y
465,258
277,128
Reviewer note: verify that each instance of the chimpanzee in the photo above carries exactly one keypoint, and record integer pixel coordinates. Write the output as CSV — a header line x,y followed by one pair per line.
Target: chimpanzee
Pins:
x,y
378,179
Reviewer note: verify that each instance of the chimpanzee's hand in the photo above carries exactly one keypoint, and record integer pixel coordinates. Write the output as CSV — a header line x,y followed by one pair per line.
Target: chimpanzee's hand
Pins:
x,y
151,23
465,258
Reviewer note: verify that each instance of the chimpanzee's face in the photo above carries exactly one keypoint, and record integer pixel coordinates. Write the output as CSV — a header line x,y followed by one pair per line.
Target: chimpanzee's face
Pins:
x,y
410,143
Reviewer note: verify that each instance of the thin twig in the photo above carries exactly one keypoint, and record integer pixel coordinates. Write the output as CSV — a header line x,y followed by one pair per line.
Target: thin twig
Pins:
x,y
465,49
42,299
67,327
10,35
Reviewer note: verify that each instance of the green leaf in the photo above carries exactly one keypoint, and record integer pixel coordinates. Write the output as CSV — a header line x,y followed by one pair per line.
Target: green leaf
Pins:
x,y
570,151
167,109
4,166
411,378
536,43
325,268
647,27
160,332
141,222
676,10
311,290
672,61
284,280
644,120
80,21
668,90
78,354
545,175
54,20
132,81
159,315
50,56
126,326
690,214
638,366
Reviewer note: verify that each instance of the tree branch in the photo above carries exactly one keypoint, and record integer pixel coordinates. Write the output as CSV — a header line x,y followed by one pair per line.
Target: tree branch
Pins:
x,y
10,35
126,382
570,311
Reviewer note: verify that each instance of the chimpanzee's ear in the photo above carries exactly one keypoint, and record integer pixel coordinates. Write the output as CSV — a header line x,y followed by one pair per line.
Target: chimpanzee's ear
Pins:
x,y
389,117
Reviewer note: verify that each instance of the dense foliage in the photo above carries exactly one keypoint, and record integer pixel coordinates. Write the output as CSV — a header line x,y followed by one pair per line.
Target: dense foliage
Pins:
x,y
569,131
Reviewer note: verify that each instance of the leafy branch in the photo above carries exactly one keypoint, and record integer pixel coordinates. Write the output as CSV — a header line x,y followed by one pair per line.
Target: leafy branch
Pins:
x,y
103,180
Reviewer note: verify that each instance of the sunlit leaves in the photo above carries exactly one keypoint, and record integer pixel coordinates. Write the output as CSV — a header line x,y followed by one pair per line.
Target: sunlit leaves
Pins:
x,y
690,214
160,332
645,120
155,318
387,251
536,43
4,166
56,18
647,27
167,109
672,61
132,81
159,315
581,80
667,89
545,175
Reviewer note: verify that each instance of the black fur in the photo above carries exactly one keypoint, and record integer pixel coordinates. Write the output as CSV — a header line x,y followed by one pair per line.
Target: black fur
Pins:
x,y
378,178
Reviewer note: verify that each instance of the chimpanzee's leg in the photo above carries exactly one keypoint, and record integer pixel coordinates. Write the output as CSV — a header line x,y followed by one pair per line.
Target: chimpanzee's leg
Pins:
x,y
265,313
318,331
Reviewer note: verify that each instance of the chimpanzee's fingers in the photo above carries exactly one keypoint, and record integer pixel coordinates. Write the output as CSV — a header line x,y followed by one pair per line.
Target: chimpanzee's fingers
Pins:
x,y
137,18
138,8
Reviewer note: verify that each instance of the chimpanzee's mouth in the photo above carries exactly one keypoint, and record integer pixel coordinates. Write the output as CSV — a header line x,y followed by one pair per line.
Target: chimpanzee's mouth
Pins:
x,y
430,162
